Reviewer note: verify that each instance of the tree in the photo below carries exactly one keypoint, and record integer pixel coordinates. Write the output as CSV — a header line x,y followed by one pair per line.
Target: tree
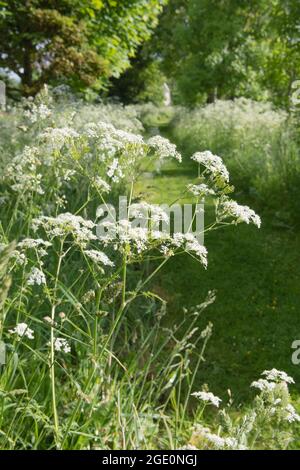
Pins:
x,y
226,48
78,42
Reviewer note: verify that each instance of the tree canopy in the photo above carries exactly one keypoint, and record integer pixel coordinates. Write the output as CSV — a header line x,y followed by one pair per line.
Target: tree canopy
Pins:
x,y
213,49
79,42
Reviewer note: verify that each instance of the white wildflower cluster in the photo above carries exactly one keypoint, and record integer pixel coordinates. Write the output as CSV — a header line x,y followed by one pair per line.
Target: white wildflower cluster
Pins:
x,y
208,397
116,149
190,244
109,140
22,329
213,164
124,233
230,208
99,257
68,174
272,378
218,442
143,238
164,148
19,258
37,244
57,137
38,112
264,385
23,172
67,224
278,376
291,414
188,447
62,345
200,190
274,388
148,212
20,255
115,171
120,150
271,409
36,277
101,185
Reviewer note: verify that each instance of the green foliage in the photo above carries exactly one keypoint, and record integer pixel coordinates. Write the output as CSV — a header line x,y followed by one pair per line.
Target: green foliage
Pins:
x,y
259,145
220,49
79,42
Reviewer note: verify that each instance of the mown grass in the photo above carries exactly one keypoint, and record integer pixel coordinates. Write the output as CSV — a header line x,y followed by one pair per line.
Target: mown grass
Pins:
x,y
257,279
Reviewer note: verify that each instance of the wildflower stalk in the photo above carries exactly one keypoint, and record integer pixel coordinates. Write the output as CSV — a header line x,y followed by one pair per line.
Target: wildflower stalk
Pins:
x,y
52,347
124,275
98,300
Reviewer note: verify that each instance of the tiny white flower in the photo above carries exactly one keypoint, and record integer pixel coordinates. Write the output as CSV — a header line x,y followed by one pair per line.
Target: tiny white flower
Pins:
x,y
164,147
278,375
33,243
200,190
61,344
264,385
22,329
65,224
208,397
291,416
36,276
59,136
99,257
230,208
213,163
102,185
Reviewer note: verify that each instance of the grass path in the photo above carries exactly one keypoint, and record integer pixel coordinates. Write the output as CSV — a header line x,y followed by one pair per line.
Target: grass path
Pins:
x,y
256,275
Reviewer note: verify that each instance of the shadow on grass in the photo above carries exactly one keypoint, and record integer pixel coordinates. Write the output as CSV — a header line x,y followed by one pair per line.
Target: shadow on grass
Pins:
x,y
256,314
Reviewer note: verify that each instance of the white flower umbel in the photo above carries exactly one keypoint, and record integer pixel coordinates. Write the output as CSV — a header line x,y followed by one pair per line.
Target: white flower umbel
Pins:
x,y
23,171
164,148
101,185
217,441
141,239
146,211
57,137
28,243
38,244
278,376
109,140
36,276
230,208
200,190
61,344
212,163
291,416
22,329
208,397
189,243
264,385
38,113
67,224
115,171
99,257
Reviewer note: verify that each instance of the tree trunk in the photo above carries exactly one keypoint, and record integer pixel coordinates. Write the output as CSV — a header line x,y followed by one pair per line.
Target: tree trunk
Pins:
x,y
27,66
